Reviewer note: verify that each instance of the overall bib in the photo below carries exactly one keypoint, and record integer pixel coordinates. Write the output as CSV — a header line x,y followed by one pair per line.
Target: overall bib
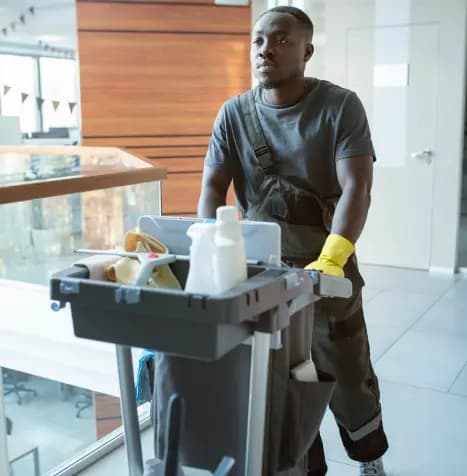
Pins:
x,y
339,339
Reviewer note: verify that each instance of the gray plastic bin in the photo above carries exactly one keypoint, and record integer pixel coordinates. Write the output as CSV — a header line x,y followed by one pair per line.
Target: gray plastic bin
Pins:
x,y
205,327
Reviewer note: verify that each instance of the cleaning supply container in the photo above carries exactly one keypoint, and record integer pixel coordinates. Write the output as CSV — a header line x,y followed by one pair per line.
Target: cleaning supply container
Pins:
x,y
229,250
202,249
217,254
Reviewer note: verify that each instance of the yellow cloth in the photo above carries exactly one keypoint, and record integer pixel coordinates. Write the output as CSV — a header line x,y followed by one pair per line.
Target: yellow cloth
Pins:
x,y
335,253
125,270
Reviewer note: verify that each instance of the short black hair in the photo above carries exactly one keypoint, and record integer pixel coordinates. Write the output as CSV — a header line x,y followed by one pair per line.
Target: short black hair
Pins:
x,y
300,15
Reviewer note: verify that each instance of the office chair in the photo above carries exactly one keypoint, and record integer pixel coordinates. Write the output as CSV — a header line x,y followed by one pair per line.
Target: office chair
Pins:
x,y
84,401
14,382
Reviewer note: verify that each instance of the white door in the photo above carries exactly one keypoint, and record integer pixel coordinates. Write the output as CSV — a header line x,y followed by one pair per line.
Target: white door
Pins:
x,y
394,71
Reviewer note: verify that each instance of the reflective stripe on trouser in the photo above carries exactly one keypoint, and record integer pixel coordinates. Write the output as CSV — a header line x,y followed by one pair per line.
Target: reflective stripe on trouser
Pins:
x,y
340,348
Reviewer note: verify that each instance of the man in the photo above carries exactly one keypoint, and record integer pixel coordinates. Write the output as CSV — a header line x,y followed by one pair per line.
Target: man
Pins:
x,y
313,178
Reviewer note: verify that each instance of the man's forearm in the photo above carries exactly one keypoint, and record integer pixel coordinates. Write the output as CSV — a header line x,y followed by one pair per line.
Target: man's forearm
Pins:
x,y
351,213
209,201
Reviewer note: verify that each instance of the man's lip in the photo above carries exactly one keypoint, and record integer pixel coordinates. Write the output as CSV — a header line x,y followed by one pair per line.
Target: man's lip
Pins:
x,y
267,64
265,67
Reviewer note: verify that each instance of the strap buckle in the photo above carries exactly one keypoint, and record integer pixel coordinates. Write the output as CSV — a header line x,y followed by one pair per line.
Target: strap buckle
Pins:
x,y
265,160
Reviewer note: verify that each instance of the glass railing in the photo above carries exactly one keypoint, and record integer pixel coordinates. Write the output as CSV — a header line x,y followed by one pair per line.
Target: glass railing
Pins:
x,y
60,393
38,237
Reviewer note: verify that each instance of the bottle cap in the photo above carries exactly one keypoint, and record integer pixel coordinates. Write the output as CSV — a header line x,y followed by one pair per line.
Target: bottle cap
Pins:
x,y
227,214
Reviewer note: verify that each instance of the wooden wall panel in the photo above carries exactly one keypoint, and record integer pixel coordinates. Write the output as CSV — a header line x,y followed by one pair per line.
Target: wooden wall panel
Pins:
x,y
137,2
176,166
174,84
172,151
176,18
137,142
180,193
153,77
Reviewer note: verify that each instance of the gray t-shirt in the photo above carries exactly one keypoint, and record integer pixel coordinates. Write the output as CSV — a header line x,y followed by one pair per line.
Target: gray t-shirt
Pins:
x,y
306,139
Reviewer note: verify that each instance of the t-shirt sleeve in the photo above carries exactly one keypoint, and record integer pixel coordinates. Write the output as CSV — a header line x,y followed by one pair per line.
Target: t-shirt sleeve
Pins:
x,y
353,132
218,151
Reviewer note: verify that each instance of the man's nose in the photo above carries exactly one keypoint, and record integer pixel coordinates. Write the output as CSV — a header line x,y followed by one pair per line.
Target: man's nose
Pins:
x,y
266,50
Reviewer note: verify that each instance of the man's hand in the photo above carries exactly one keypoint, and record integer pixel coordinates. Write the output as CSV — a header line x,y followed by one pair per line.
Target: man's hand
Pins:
x,y
334,255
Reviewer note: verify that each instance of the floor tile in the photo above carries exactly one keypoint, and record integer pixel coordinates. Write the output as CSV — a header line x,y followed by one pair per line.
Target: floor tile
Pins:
x,y
407,280
397,308
426,432
369,293
341,469
421,425
449,315
458,292
381,338
459,386
424,359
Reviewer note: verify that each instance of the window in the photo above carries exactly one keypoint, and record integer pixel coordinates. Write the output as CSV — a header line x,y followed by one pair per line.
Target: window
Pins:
x,y
58,79
20,74
30,78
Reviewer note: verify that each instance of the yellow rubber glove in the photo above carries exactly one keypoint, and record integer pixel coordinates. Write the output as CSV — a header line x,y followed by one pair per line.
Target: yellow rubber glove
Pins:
x,y
335,253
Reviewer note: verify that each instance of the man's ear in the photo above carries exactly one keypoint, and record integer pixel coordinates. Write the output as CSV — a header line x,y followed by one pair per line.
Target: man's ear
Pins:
x,y
309,50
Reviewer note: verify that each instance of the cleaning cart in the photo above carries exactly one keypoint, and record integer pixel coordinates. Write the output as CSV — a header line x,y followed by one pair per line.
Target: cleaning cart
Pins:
x,y
230,334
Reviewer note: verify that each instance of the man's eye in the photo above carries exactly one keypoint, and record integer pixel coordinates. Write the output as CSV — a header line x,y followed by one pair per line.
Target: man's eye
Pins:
x,y
258,41
283,41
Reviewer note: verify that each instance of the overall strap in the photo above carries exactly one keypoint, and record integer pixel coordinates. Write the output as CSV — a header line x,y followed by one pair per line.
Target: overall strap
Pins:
x,y
246,105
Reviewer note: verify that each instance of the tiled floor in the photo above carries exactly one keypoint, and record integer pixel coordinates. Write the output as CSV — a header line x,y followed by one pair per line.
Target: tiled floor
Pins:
x,y
417,325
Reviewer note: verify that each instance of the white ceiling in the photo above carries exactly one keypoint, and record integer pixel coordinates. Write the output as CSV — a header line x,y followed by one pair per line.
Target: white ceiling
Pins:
x,y
53,22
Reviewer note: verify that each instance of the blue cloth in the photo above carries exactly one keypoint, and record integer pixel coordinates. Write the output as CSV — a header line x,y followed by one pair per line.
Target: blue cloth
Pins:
x,y
145,377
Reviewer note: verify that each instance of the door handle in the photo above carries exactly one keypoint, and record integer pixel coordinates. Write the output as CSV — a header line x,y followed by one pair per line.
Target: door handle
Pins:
x,y
425,154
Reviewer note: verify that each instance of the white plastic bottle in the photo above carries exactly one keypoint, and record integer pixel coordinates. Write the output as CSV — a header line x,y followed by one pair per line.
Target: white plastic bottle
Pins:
x,y
229,265
200,275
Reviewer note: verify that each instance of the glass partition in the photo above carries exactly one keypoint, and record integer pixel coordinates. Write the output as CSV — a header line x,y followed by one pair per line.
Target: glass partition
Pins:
x,y
47,421
38,237
60,392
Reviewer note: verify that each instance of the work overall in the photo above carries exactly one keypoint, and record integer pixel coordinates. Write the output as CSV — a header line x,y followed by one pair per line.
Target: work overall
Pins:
x,y
339,339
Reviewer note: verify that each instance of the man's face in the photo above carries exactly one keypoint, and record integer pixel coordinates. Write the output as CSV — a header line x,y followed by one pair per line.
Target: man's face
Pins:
x,y
280,49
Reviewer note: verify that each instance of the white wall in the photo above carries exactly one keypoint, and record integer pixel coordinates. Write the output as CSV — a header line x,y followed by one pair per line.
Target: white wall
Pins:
x,y
448,170
332,18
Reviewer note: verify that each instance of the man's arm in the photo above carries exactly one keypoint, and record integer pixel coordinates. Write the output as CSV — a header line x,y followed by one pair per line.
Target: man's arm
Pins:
x,y
354,167
216,181
355,176
217,173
